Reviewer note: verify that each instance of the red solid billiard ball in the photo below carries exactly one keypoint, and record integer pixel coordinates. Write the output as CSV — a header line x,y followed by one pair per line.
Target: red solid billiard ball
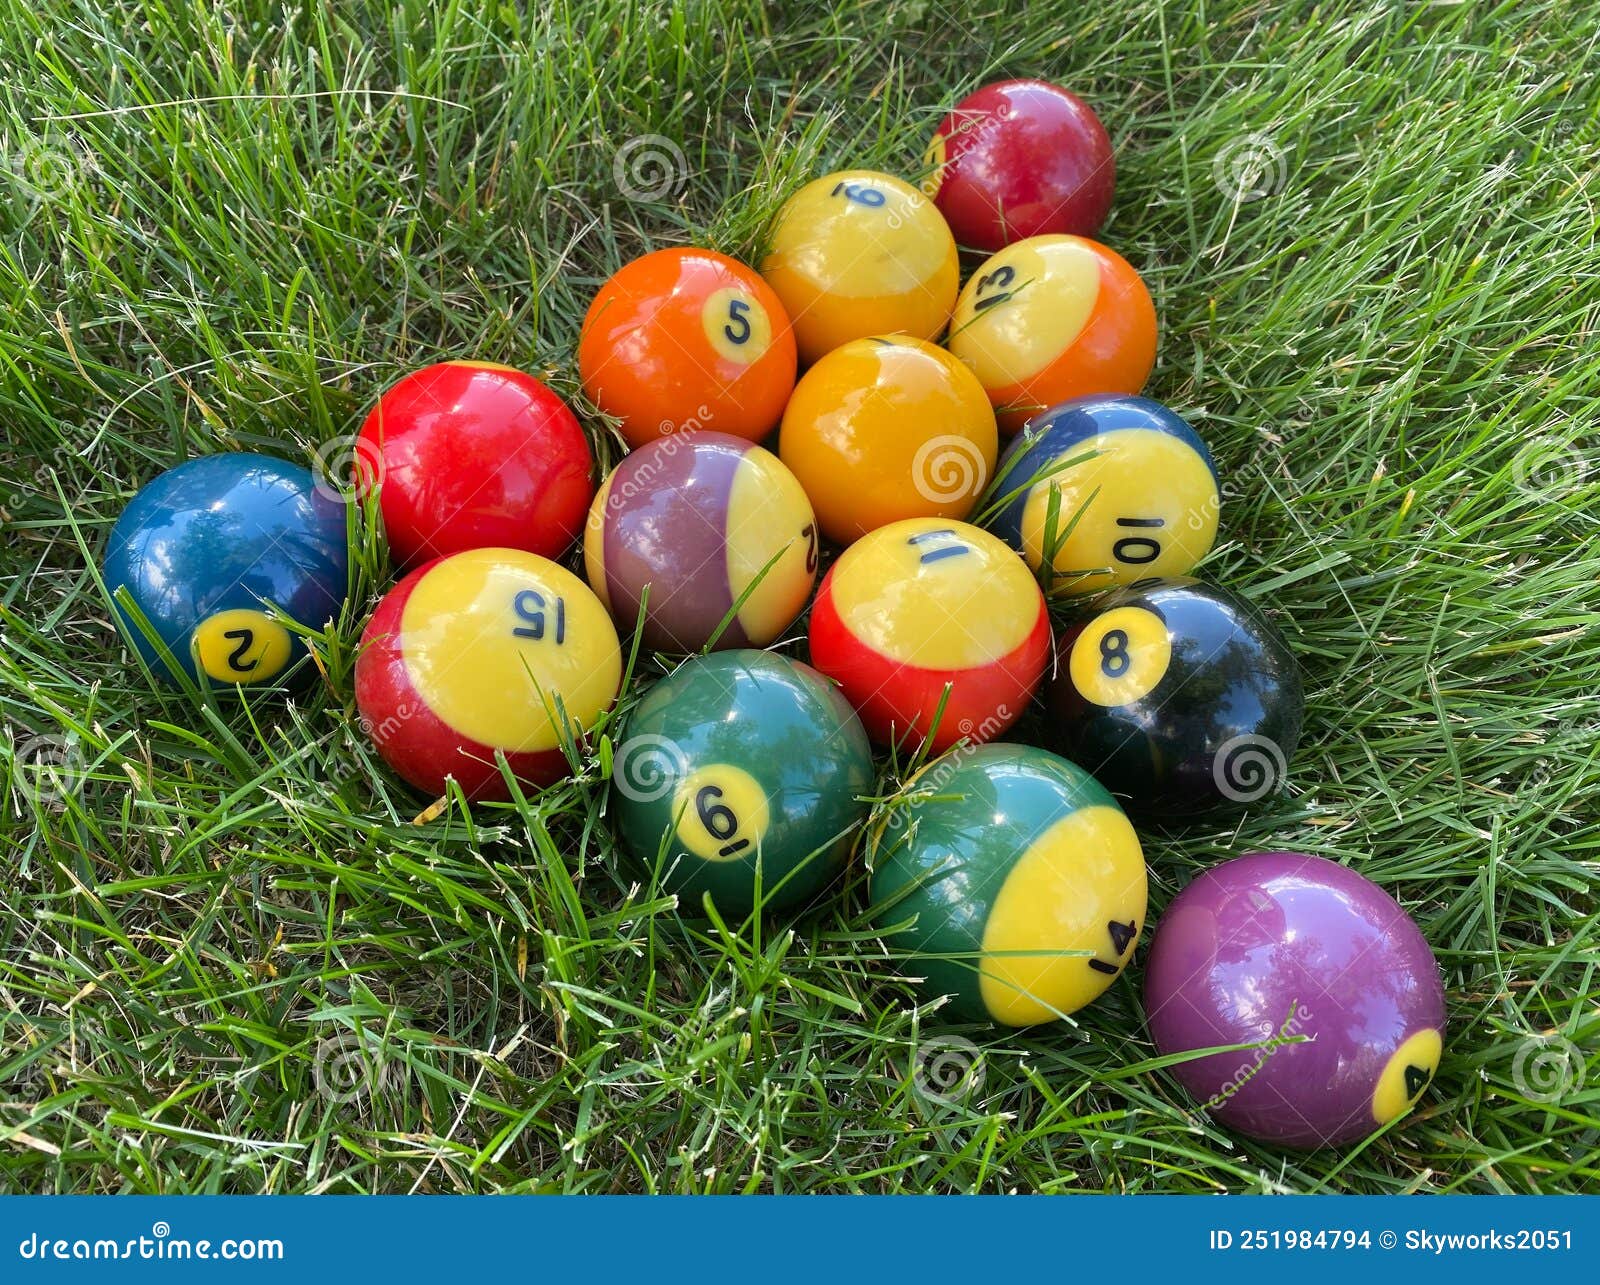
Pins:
x,y
473,455
925,605
1020,158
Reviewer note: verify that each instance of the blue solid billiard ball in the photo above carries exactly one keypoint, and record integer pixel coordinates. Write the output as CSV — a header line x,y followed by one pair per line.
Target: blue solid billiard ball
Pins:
x,y
209,548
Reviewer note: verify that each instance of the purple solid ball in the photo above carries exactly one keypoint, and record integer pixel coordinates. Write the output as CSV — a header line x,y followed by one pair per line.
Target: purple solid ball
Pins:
x,y
1319,967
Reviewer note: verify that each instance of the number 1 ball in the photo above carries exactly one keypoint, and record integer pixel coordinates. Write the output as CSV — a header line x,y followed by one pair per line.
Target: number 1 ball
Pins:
x,y
206,546
1053,318
1145,504
1322,969
1024,880
476,653
1017,159
687,338
926,604
1179,697
469,455
741,767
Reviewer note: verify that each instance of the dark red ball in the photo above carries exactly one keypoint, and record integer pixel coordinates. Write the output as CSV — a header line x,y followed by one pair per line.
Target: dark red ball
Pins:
x,y
1020,158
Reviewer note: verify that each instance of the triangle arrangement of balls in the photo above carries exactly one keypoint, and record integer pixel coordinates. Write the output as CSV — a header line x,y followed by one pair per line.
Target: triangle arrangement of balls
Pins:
x,y
1007,879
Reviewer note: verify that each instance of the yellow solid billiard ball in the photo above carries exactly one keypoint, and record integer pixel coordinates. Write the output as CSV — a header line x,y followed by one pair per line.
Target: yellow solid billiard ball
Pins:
x,y
859,253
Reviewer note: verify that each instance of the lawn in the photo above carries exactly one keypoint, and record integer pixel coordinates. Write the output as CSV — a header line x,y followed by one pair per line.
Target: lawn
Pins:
x,y
236,955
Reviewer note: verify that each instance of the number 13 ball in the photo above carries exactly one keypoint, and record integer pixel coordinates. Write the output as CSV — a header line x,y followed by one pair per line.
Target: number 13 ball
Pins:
x,y
922,605
687,338
1322,970
475,653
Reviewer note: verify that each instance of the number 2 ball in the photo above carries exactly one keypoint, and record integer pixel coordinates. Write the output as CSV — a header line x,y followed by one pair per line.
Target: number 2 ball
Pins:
x,y
687,338
208,549
1017,159
479,652
470,454
742,769
1318,967
920,606
1179,697
1018,881
1053,318
1143,504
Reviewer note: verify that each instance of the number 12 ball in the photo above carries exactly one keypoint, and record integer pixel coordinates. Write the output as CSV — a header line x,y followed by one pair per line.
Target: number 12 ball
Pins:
x,y
205,547
1322,970
687,338
1144,504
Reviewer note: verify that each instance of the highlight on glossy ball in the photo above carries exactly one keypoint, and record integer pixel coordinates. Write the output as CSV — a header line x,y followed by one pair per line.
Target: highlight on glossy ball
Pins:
x,y
1322,972
1179,697
1053,318
743,775
484,651
683,339
860,253
888,428
718,532
1007,879
934,631
1018,159
214,555
472,454
1107,490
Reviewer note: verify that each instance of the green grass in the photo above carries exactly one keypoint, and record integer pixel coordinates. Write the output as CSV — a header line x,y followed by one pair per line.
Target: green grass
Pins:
x,y
226,231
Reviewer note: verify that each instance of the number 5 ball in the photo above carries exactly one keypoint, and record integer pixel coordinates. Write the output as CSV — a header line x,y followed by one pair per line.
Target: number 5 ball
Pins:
x,y
476,653
687,338
1052,318
1322,970
1020,883
1144,504
924,605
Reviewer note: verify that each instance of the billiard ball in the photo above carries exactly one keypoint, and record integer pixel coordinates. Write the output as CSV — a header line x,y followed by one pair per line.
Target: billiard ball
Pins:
x,y
697,519
687,338
213,552
1179,697
928,621
888,428
471,455
1052,318
475,653
860,253
1318,968
1008,880
744,775
1020,158
1144,503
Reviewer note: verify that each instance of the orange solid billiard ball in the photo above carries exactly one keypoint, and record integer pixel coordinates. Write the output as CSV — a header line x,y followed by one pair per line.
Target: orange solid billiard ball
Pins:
x,y
687,339
860,253
888,428
1051,318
